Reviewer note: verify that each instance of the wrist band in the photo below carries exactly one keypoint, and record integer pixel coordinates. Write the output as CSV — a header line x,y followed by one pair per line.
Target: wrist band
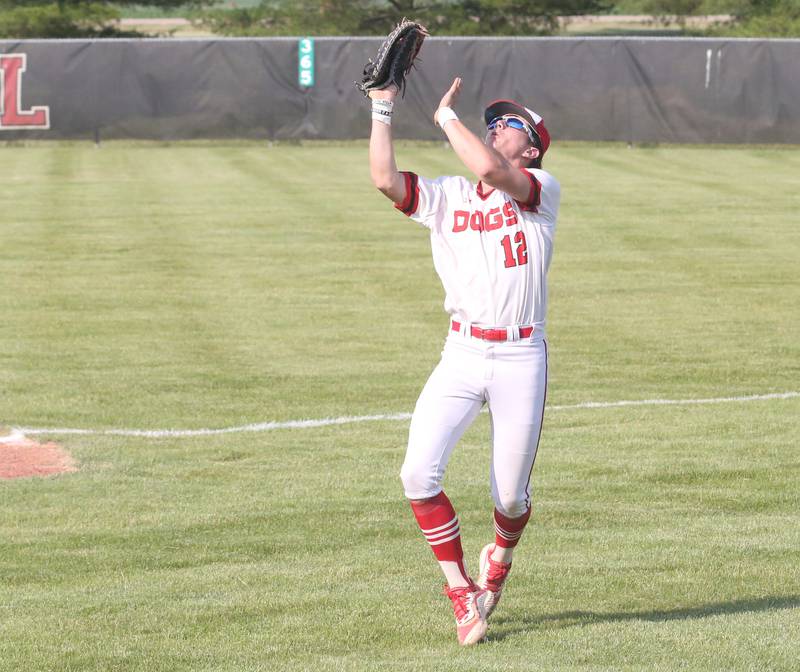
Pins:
x,y
382,111
445,114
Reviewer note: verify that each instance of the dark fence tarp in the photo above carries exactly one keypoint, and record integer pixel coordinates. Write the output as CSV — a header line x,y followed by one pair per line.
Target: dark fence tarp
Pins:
x,y
629,89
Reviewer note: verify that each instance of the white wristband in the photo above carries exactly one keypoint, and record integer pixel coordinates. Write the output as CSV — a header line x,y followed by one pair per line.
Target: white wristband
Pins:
x,y
445,114
382,111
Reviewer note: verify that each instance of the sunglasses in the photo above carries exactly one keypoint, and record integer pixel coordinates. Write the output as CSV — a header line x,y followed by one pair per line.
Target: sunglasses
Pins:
x,y
514,122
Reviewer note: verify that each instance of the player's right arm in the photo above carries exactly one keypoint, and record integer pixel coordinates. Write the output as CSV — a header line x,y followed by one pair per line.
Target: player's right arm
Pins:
x,y
382,166
485,162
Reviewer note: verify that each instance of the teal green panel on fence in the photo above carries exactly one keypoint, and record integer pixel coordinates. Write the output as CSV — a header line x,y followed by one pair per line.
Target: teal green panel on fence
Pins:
x,y
305,57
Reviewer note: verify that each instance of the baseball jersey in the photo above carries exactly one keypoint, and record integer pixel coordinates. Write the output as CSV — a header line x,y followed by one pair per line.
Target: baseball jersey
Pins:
x,y
490,251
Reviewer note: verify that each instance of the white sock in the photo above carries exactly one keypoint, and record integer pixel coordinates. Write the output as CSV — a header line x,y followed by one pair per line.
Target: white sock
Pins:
x,y
502,554
454,574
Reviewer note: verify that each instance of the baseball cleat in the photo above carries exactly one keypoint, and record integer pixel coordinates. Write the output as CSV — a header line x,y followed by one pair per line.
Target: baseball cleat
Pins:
x,y
470,612
492,577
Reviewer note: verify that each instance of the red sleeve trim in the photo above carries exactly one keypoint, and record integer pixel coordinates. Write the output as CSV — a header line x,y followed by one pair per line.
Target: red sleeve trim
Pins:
x,y
534,200
411,201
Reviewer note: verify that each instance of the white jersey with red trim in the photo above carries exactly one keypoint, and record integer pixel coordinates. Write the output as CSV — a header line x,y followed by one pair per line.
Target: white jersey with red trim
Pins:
x,y
490,251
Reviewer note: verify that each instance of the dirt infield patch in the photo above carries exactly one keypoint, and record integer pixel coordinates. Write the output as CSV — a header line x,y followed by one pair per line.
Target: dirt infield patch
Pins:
x,y
21,457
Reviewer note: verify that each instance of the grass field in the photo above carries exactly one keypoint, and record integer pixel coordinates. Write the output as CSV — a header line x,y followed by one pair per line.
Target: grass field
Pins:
x,y
215,285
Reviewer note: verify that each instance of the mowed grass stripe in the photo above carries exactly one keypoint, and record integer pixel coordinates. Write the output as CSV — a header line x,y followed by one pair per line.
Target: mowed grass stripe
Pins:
x,y
218,284
237,244
678,548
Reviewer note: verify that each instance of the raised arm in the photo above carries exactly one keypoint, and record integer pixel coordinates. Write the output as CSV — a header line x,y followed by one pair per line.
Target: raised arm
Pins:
x,y
382,166
485,162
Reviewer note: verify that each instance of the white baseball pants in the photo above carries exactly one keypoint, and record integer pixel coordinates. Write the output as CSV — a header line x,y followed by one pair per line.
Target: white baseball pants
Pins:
x,y
512,379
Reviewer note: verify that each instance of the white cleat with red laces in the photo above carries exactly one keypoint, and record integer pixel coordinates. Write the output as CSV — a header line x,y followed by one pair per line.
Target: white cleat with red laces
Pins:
x,y
492,577
470,610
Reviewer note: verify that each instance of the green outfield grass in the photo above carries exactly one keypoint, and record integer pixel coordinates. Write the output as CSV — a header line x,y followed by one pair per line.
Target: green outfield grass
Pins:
x,y
213,285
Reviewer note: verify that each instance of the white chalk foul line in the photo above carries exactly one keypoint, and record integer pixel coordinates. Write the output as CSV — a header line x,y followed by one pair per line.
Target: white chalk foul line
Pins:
x,y
351,419
257,427
676,402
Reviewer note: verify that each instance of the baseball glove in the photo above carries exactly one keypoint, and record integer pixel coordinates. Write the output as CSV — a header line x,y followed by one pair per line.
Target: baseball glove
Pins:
x,y
395,58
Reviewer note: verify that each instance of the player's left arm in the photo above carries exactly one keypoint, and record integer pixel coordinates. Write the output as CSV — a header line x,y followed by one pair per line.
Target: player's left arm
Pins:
x,y
487,164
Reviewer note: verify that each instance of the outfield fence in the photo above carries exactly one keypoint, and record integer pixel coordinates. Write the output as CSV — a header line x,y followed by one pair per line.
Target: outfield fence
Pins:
x,y
623,89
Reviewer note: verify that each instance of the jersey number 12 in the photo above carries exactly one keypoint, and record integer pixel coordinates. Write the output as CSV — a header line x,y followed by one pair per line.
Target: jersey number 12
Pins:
x,y
522,250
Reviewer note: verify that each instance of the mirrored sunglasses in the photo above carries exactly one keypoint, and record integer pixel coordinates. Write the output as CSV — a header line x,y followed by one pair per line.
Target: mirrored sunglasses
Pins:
x,y
513,122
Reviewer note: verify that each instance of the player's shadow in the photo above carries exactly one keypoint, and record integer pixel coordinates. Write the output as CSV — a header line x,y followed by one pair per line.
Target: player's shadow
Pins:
x,y
509,625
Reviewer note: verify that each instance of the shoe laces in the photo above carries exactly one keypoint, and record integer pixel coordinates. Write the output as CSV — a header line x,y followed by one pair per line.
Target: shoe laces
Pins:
x,y
460,597
496,575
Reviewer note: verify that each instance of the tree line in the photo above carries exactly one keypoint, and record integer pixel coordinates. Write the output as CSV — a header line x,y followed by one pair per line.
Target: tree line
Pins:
x,y
99,18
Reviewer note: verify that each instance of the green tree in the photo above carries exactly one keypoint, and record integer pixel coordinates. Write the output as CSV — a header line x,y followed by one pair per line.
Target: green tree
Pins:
x,y
376,17
20,19
780,20
764,18
679,7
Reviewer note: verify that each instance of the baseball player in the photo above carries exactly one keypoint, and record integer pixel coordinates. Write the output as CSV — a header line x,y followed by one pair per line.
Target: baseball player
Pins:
x,y
491,243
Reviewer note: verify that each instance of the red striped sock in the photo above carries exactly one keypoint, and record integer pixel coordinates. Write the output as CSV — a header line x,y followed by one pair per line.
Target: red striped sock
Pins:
x,y
509,530
439,523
